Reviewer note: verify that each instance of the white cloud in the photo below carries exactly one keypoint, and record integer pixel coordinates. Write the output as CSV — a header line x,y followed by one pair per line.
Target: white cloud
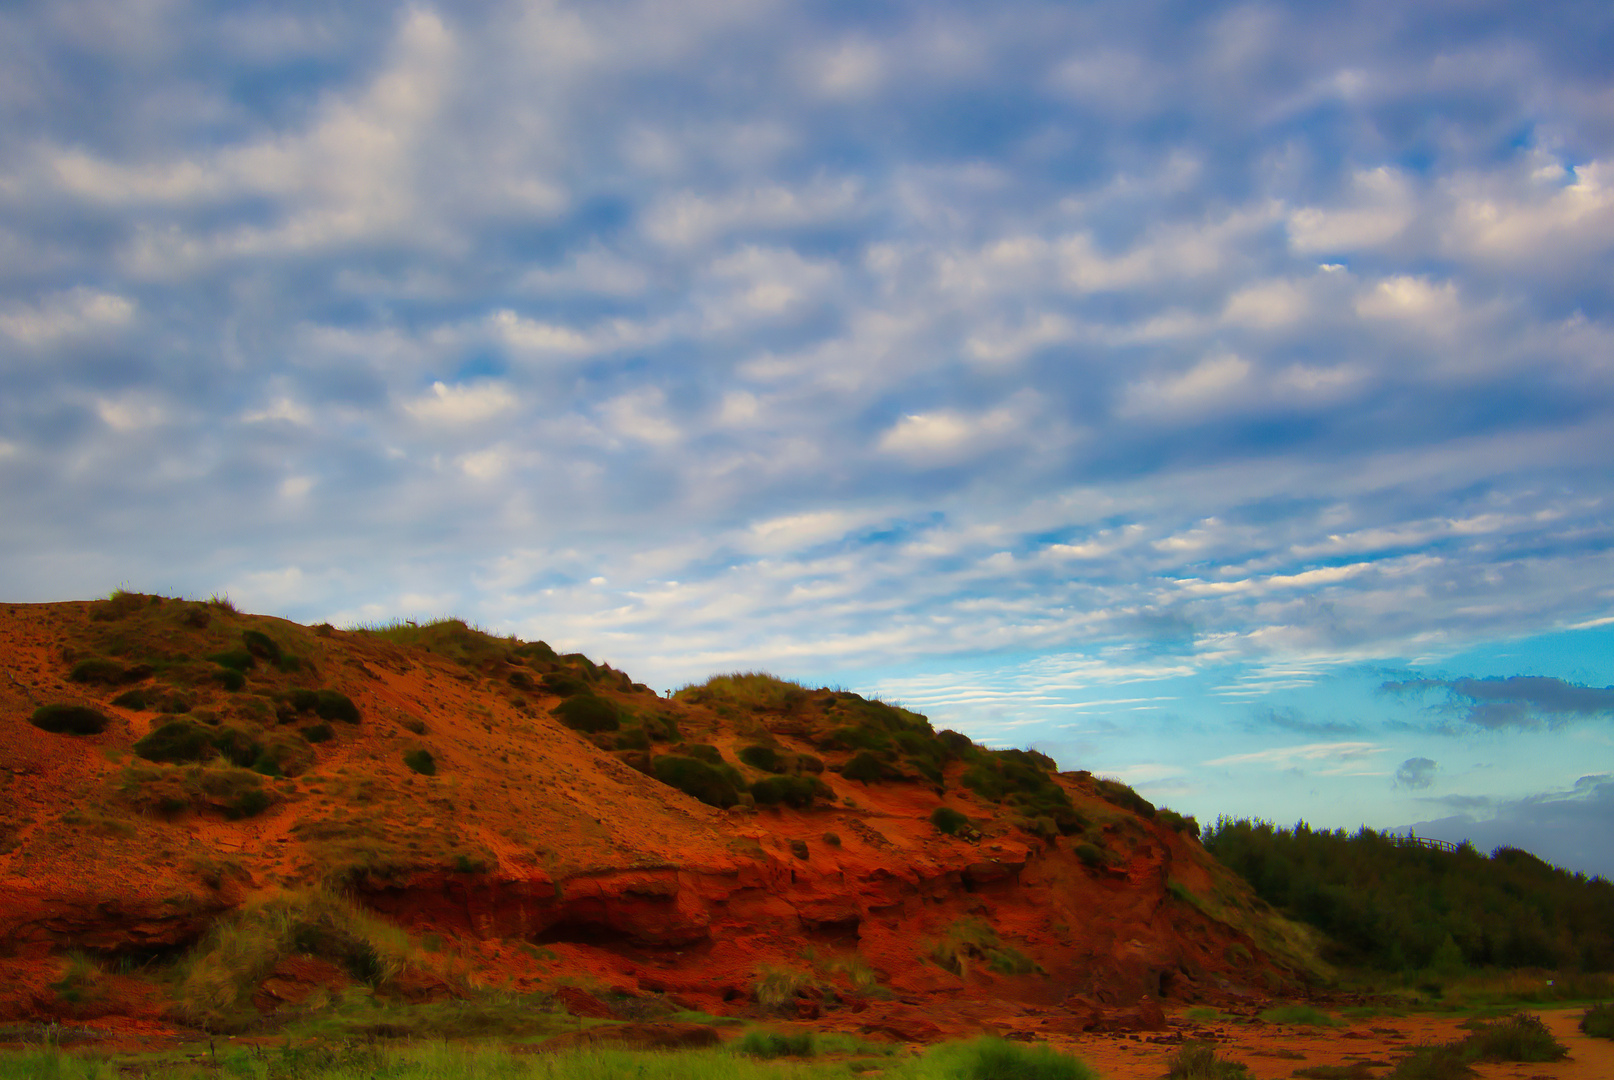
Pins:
x,y
1383,204
1007,346
687,218
484,464
798,531
1543,223
852,69
76,313
641,415
281,408
132,412
1209,384
1292,756
462,404
1411,299
947,436
1269,304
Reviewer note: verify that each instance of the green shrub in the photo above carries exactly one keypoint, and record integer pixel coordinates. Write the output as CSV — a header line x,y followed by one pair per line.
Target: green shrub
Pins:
x,y
755,689
1432,1063
762,757
972,939
563,684
865,766
759,1043
250,803
98,670
1519,1037
1303,1015
261,645
1114,791
235,659
776,987
948,820
797,791
318,733
177,740
696,778
1178,822
1091,855
284,754
238,746
69,719
237,793
229,678
991,1058
1198,1061
421,761
588,713
139,700
335,705
1010,961
633,738
1599,1022
704,751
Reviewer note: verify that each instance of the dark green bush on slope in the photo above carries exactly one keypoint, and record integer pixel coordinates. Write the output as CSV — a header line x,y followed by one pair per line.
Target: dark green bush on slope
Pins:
x,y
588,712
1394,906
69,720
178,741
797,791
696,778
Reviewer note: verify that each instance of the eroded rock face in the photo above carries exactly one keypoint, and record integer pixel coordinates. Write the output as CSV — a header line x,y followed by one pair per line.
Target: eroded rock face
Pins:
x,y
531,834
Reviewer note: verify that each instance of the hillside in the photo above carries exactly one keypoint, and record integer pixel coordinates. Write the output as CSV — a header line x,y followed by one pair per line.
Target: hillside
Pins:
x,y
168,766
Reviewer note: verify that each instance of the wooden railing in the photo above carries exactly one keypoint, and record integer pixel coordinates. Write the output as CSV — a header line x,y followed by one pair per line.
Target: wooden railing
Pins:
x,y
1423,842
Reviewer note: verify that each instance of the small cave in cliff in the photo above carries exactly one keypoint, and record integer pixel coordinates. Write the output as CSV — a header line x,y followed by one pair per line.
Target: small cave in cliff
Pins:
x,y
582,932
844,931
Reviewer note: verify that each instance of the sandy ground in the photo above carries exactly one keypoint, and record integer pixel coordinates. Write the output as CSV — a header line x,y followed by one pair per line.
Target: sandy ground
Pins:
x,y
1274,1051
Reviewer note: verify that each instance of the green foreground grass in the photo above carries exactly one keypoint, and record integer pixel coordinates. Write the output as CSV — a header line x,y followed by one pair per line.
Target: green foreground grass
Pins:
x,y
977,1059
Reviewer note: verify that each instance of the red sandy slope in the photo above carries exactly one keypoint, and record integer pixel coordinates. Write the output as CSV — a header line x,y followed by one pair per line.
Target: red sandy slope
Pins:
x,y
531,833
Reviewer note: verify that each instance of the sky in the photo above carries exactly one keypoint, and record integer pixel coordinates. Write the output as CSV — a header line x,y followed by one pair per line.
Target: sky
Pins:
x,y
1215,396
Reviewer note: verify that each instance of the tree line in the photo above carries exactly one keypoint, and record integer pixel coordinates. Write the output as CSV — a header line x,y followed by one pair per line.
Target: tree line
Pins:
x,y
1399,907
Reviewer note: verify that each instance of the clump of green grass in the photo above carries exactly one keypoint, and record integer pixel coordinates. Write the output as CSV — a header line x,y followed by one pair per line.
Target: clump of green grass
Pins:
x,y
867,767
1444,1062
696,778
973,940
948,820
763,1043
214,982
745,688
588,712
990,1058
421,761
100,671
69,719
776,987
1299,1015
168,790
1599,1021
1198,1061
797,791
1519,1037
